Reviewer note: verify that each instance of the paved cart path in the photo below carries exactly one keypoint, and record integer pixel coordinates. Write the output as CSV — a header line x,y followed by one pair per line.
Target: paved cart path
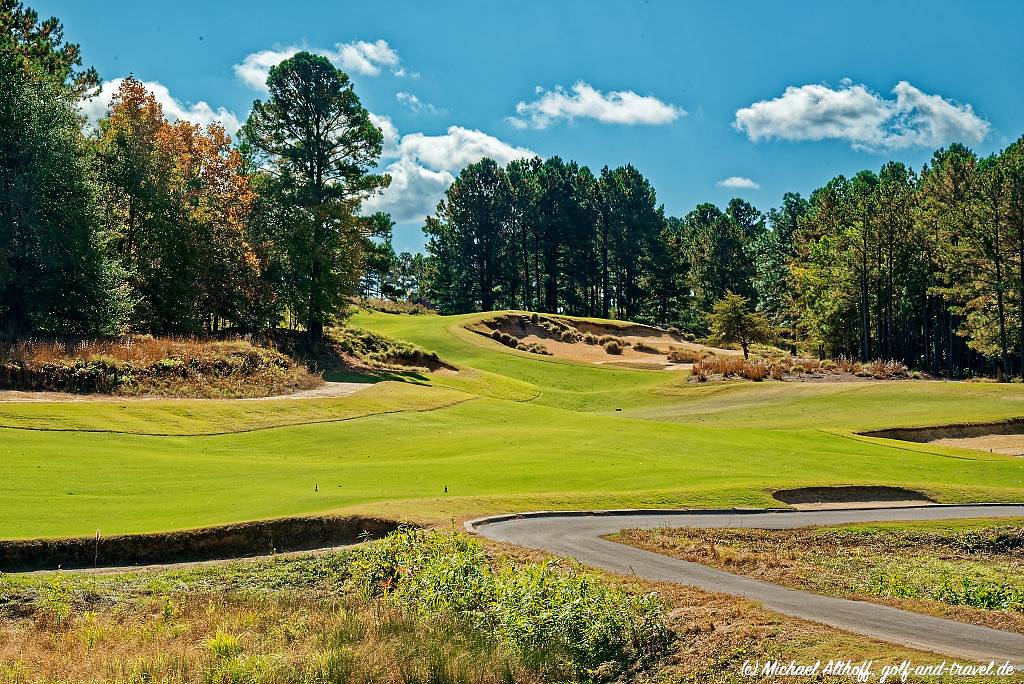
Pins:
x,y
580,536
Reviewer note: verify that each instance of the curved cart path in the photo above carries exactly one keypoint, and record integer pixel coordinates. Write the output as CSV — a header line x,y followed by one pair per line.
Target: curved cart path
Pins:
x,y
579,535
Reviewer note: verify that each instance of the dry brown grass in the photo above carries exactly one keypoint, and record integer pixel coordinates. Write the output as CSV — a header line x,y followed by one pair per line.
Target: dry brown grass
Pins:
x,y
280,638
730,367
146,365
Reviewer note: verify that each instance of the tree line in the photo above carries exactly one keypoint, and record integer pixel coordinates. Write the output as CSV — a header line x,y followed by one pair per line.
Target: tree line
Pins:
x,y
925,267
144,224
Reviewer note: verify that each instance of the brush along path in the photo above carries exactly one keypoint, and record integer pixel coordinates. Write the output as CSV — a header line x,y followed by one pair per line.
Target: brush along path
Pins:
x,y
580,536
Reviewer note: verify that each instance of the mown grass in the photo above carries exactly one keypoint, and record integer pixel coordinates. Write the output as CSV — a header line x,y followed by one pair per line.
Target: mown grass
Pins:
x,y
544,434
491,455
186,417
971,571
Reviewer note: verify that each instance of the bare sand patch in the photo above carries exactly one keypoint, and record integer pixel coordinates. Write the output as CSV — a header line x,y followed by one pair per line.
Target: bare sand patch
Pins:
x,y
1010,445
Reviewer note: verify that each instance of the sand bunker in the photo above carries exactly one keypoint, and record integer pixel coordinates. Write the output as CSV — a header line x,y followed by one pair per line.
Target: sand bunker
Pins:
x,y
1004,437
822,498
643,346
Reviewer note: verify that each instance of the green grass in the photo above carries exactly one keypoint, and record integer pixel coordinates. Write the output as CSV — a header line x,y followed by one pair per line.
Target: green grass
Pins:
x,y
511,431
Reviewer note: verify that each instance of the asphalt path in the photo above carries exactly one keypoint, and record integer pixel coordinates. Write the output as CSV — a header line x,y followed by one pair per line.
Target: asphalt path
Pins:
x,y
580,536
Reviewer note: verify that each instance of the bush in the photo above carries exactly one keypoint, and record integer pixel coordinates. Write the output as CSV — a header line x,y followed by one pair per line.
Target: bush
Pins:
x,y
590,338
645,348
612,347
673,331
538,611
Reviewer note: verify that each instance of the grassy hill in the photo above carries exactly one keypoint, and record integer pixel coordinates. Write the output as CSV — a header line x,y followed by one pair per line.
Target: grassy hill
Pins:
x,y
509,431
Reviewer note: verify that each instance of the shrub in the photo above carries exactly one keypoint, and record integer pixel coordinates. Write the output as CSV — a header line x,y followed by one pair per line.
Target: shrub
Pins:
x,y
535,318
674,331
538,611
537,348
689,337
612,346
569,335
645,348
590,338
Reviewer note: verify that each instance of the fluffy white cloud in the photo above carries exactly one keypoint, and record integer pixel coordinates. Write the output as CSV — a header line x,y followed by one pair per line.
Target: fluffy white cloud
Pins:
x,y
425,165
361,57
415,104
255,68
457,148
414,191
867,120
199,112
584,101
389,148
738,183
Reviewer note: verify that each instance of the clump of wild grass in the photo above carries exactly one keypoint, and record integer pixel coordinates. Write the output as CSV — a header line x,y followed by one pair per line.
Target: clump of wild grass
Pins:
x,y
563,621
686,355
612,346
380,351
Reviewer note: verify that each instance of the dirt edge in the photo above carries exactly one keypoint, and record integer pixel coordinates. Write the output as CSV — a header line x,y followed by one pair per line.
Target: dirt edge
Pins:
x,y
208,543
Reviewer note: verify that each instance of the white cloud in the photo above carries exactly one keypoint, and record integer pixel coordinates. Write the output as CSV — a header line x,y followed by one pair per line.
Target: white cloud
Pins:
x,y
425,165
738,183
584,101
255,68
389,149
864,118
199,113
415,104
457,148
361,57
414,191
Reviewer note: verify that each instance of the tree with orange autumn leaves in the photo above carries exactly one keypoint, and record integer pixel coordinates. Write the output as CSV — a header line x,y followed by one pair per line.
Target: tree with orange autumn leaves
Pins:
x,y
178,203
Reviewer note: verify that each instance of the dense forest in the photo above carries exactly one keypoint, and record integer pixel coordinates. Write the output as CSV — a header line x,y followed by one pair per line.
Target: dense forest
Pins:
x,y
925,267
141,224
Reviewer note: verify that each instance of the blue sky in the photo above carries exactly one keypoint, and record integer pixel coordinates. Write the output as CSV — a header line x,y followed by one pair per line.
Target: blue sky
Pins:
x,y
691,93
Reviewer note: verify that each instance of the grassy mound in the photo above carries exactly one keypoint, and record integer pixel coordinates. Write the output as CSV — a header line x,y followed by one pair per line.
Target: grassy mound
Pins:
x,y
143,365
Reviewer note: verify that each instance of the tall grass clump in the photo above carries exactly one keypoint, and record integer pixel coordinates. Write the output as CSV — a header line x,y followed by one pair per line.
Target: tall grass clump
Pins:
x,y
562,622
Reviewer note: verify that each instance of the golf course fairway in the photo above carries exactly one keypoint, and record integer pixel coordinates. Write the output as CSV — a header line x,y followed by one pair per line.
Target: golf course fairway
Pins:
x,y
510,431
